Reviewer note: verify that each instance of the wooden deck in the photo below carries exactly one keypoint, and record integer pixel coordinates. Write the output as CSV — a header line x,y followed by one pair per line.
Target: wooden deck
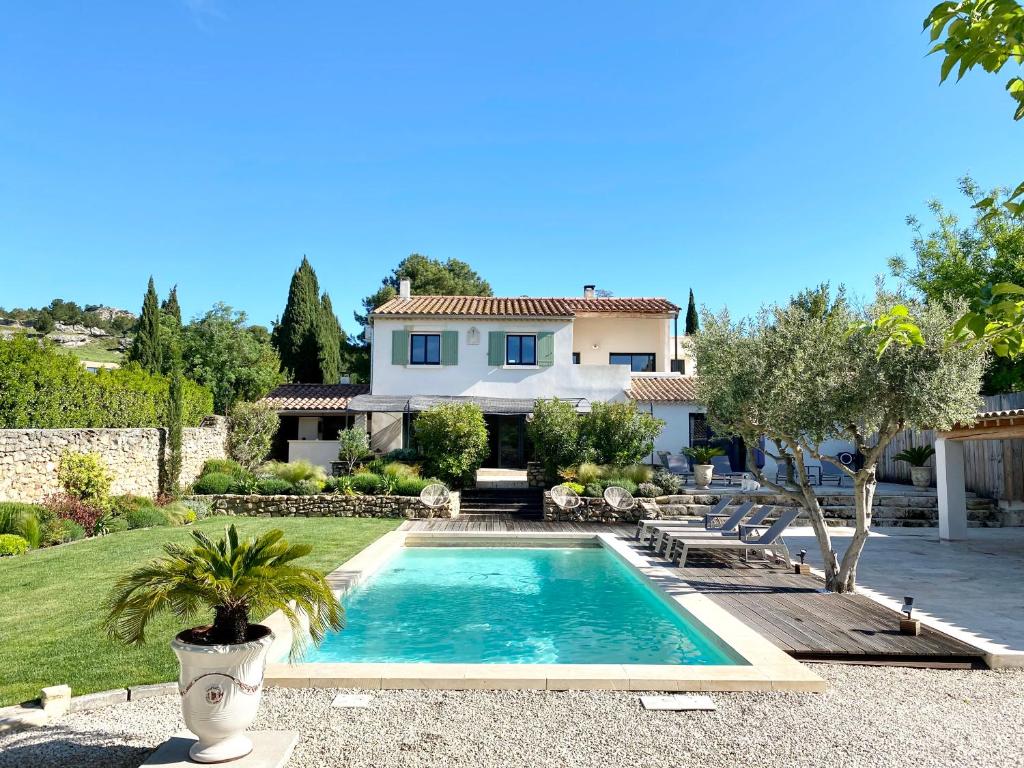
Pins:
x,y
789,610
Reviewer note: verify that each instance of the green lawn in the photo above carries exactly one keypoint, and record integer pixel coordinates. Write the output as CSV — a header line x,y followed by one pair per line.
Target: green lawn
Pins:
x,y
51,603
99,351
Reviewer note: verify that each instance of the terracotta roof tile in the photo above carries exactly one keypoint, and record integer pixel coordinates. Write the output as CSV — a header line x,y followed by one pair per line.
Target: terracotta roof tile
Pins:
x,y
523,306
314,397
663,389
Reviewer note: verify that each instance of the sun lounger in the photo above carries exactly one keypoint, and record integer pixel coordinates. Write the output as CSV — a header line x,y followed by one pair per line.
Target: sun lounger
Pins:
x,y
651,507
752,537
724,470
731,523
676,537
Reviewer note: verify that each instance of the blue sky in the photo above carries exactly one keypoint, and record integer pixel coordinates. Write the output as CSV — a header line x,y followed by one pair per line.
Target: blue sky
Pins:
x,y
742,149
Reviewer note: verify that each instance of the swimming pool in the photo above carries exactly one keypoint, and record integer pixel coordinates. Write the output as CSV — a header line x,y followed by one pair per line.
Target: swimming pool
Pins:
x,y
515,605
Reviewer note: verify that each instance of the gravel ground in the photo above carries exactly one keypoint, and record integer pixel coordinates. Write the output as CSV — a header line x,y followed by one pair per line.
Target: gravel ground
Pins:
x,y
871,716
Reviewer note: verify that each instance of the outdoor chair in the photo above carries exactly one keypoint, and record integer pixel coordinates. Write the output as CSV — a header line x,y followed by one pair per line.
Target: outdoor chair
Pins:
x,y
435,496
619,498
814,473
724,470
757,516
565,498
677,465
752,537
644,527
663,533
830,472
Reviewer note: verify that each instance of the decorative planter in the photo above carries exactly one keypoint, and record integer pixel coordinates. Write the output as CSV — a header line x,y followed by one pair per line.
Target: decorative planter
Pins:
x,y
921,477
702,474
221,687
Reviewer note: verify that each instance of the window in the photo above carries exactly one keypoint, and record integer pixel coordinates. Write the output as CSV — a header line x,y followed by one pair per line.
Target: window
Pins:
x,y
638,362
679,366
520,350
425,349
575,358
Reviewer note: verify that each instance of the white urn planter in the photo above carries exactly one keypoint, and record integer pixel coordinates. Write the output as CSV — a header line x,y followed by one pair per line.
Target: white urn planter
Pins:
x,y
921,477
702,474
221,687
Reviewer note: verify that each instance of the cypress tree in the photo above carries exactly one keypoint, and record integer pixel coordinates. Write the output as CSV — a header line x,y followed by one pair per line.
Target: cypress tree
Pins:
x,y
692,320
296,335
147,348
170,306
175,417
329,340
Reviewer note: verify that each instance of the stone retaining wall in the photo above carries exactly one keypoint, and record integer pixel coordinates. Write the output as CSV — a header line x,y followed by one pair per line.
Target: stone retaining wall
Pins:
x,y
535,474
29,457
592,510
329,505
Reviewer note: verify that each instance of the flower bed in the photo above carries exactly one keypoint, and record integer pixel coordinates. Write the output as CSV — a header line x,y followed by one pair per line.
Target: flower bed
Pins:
x,y
328,505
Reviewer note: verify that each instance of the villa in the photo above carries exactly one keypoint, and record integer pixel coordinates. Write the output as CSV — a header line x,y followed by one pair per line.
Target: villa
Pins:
x,y
502,354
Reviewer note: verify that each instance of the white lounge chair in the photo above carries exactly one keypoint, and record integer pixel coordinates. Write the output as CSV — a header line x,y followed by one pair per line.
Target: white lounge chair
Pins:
x,y
435,496
619,498
643,526
752,537
662,534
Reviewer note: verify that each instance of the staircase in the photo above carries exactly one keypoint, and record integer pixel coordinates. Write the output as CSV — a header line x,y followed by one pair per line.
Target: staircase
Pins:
x,y
482,504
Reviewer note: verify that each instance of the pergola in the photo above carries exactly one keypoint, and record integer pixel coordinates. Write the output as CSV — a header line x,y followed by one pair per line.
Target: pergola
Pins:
x,y
949,464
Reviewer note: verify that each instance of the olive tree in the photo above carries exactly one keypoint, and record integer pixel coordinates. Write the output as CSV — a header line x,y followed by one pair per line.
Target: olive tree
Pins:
x,y
796,376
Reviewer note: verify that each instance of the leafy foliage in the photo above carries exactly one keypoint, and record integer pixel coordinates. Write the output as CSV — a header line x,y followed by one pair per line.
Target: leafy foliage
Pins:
x,y
233,359
703,454
42,387
213,483
22,520
555,431
669,483
353,447
61,531
233,578
453,440
65,506
915,455
149,516
274,486
985,33
251,431
86,477
619,433
295,471
648,490
12,544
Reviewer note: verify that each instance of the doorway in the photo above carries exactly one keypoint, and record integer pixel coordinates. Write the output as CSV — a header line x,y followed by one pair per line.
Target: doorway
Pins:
x,y
508,441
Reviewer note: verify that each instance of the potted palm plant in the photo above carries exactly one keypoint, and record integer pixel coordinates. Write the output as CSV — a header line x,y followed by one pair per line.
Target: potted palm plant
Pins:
x,y
917,457
222,664
701,456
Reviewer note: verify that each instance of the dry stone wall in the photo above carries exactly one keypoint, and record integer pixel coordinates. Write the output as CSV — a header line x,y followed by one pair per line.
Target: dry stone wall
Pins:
x,y
329,505
29,457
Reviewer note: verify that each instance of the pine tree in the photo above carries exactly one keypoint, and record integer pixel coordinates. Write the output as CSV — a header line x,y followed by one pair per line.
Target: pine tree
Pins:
x,y
298,334
692,320
170,306
147,347
329,342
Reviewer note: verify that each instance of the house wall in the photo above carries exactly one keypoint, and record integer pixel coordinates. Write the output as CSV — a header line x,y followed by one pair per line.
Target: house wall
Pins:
x,y
473,375
676,432
385,432
597,337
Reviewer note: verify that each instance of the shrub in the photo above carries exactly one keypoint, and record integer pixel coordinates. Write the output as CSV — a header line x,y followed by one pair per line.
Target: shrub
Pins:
x,y
555,431
453,440
638,473
410,486
703,454
308,487
201,507
341,484
622,482
61,531
593,489
648,490
110,523
294,471
578,488
619,433
224,467
147,517
245,484
85,476
12,544
21,520
400,470
64,506
668,482
125,503
274,486
177,513
213,483
587,473
251,430
407,455
353,446
366,483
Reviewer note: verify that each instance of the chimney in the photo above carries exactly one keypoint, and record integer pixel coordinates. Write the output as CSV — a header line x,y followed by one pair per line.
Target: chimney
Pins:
x,y
588,291
405,288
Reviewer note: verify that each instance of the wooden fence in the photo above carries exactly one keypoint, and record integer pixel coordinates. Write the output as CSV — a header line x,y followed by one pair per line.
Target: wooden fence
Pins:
x,y
993,468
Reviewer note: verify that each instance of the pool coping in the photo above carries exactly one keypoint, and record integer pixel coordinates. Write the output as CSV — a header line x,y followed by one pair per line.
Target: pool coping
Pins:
x,y
768,668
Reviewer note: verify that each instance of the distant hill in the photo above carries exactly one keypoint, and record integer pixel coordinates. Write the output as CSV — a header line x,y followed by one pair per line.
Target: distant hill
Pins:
x,y
95,332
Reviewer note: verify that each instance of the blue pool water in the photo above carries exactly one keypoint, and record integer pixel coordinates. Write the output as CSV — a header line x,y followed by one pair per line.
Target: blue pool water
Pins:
x,y
513,606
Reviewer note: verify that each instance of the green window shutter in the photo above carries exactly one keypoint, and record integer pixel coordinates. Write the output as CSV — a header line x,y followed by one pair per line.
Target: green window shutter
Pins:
x,y
545,348
449,347
399,347
496,348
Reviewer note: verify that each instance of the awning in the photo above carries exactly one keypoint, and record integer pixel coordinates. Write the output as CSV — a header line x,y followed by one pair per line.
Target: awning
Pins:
x,y
415,403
